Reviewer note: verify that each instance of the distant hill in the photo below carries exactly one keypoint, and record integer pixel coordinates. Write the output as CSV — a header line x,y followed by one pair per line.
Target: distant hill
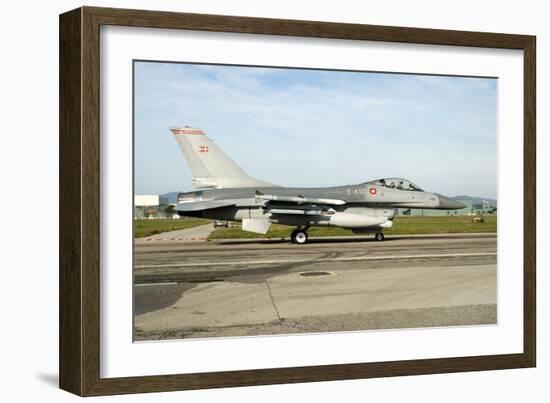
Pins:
x,y
475,200
173,198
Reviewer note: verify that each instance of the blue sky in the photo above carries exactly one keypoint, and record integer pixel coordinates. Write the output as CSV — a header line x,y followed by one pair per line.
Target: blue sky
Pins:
x,y
299,127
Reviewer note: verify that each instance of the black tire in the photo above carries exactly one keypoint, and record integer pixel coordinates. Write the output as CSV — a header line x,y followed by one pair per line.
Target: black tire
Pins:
x,y
379,236
293,236
300,237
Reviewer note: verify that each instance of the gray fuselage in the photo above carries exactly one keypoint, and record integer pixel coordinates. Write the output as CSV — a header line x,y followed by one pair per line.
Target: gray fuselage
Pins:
x,y
365,206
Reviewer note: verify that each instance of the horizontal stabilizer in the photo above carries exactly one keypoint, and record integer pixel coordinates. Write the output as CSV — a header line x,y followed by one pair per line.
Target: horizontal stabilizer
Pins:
x,y
299,199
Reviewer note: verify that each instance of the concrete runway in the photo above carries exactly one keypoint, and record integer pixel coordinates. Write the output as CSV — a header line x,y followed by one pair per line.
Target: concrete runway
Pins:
x,y
235,288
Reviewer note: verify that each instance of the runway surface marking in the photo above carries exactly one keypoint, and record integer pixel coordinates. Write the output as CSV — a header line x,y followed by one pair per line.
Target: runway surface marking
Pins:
x,y
337,259
155,284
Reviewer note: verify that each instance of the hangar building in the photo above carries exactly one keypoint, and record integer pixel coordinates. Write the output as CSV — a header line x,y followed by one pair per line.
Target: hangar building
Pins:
x,y
151,206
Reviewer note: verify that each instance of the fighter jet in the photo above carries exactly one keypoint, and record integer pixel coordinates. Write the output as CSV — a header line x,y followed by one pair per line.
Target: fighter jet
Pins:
x,y
225,192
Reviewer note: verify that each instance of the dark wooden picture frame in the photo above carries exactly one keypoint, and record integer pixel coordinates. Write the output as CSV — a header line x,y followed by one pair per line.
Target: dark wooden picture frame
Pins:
x,y
79,346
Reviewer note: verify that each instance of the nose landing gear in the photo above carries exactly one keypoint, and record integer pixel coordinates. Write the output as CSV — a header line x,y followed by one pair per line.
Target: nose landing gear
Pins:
x,y
379,236
299,236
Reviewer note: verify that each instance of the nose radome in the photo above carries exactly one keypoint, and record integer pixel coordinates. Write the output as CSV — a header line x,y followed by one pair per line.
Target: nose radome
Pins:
x,y
449,204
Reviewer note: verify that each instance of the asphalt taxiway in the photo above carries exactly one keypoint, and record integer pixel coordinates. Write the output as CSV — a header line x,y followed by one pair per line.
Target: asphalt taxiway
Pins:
x,y
255,287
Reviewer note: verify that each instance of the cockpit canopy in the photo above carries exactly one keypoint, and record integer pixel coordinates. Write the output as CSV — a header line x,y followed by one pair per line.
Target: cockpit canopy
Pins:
x,y
396,183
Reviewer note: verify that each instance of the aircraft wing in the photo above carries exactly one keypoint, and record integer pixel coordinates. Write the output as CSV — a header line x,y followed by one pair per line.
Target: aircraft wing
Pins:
x,y
204,205
301,210
298,199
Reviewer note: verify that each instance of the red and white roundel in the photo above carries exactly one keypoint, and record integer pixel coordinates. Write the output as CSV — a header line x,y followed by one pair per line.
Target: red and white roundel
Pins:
x,y
372,191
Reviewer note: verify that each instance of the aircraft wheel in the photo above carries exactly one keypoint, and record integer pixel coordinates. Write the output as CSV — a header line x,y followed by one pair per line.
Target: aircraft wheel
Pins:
x,y
293,236
379,236
300,237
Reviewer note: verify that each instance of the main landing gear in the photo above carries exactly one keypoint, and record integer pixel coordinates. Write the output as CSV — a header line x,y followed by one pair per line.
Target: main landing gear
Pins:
x,y
379,236
299,236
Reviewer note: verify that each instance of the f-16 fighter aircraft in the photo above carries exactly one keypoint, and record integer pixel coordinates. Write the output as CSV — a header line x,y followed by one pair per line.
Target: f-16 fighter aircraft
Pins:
x,y
227,193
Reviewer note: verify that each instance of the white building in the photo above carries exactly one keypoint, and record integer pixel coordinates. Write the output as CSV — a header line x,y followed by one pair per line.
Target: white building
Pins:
x,y
150,206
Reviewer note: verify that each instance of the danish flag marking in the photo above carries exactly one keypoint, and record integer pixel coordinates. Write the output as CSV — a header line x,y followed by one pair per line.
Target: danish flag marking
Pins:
x,y
203,149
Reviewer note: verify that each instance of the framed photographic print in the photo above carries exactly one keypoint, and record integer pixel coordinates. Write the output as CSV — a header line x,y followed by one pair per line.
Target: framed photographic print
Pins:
x,y
249,201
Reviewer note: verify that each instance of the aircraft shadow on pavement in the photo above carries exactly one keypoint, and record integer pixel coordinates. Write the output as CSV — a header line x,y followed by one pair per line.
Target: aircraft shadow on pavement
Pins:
x,y
319,240
288,241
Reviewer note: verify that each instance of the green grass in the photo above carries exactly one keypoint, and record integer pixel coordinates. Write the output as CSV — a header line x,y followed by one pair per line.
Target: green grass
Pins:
x,y
143,228
401,225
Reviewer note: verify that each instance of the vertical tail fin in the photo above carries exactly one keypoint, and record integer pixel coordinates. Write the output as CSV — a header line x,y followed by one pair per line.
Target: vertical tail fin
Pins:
x,y
209,165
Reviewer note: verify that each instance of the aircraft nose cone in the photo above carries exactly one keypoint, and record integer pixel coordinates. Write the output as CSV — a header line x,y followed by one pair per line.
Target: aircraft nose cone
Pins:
x,y
449,204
